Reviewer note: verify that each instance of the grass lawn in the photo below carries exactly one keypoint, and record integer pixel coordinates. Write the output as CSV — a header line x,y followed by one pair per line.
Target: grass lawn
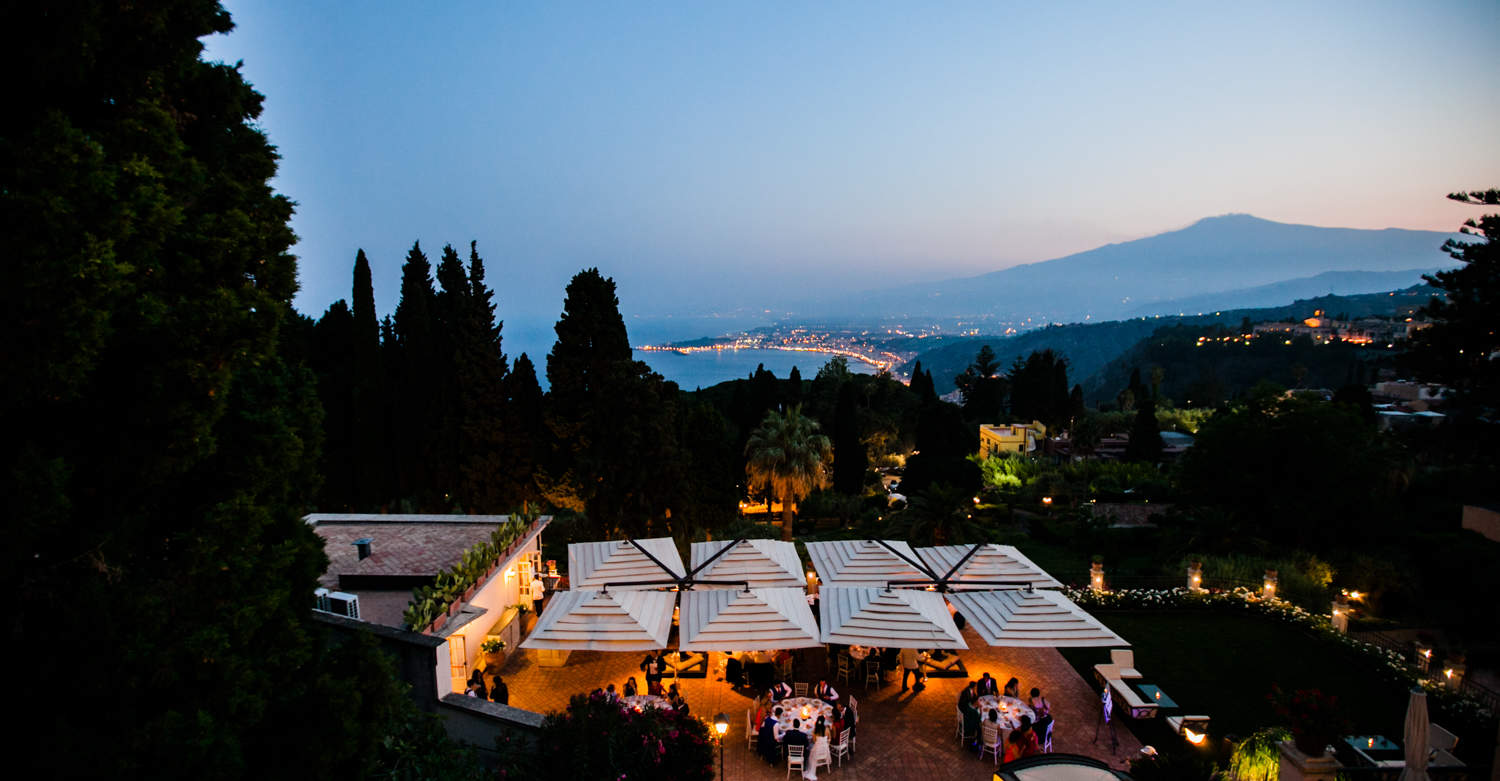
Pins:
x,y
1223,665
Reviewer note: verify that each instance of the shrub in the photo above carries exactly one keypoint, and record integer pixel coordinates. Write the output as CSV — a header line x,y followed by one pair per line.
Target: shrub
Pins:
x,y
600,739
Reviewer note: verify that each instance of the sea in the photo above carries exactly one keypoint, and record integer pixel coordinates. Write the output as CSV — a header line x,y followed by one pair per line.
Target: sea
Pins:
x,y
691,371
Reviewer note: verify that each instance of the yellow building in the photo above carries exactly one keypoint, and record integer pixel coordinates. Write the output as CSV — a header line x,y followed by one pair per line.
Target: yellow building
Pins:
x,y
1010,438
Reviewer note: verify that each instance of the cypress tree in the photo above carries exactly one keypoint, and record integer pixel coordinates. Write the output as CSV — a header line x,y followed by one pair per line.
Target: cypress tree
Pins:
x,y
370,473
850,460
413,417
481,372
528,439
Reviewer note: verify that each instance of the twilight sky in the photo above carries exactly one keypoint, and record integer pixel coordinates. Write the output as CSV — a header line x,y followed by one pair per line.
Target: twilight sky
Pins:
x,y
716,154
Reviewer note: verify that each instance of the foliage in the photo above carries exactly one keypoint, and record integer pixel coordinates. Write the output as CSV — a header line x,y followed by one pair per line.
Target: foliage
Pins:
x,y
1145,434
1039,391
1258,757
1315,718
429,602
1458,347
983,390
941,514
788,458
596,738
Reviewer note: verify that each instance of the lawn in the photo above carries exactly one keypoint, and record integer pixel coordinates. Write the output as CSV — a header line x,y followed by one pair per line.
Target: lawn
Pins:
x,y
1224,665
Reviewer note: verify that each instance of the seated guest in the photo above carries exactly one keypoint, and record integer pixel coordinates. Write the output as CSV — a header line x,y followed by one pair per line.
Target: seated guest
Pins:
x,y
499,692
673,691
1042,708
1030,747
765,740
1013,688
795,736
679,702
1015,745
971,718
969,694
825,692
838,719
653,686
781,691
987,685
610,694
631,689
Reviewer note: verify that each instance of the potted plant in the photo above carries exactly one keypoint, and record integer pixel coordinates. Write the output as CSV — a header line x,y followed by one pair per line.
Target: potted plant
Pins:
x,y
1315,718
494,652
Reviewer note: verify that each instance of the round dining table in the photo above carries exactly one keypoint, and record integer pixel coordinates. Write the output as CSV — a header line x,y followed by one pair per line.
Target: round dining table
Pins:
x,y
1011,710
808,710
859,652
643,701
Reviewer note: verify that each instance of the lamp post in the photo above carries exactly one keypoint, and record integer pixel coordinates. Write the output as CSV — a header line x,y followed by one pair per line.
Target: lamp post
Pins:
x,y
721,726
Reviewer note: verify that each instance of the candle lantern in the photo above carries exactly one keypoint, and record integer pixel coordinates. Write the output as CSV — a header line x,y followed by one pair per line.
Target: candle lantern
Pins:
x,y
1096,577
1195,577
1268,586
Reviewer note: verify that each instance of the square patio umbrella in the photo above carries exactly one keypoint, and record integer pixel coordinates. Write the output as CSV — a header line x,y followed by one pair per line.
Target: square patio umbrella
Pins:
x,y
732,619
1025,618
621,620
625,564
865,562
760,563
983,566
890,618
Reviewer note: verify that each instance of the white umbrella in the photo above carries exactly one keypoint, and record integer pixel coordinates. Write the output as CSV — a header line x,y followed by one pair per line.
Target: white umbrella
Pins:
x,y
989,563
593,564
1031,619
734,619
619,620
1416,737
864,562
899,618
761,563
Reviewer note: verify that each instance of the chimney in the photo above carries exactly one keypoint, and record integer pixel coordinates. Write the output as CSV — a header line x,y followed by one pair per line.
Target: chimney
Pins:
x,y
363,544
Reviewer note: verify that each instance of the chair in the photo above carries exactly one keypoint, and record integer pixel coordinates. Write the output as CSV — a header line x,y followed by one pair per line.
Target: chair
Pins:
x,y
989,740
1047,737
843,673
963,737
842,748
795,759
1440,739
872,673
749,729
825,761
799,689
854,714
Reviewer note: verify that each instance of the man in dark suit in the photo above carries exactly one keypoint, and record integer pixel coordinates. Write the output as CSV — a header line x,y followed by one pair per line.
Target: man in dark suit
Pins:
x,y
987,685
795,736
765,741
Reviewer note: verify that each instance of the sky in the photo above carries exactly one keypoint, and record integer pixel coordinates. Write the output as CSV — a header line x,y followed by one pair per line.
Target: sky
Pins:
x,y
729,156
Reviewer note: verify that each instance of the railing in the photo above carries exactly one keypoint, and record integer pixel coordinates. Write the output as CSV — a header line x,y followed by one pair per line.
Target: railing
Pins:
x,y
1458,773
1479,691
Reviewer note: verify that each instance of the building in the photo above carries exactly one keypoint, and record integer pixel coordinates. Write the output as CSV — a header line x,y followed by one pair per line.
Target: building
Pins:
x,y
998,439
375,561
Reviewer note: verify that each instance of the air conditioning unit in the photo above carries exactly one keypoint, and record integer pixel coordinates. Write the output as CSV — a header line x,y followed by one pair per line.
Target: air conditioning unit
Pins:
x,y
340,603
320,600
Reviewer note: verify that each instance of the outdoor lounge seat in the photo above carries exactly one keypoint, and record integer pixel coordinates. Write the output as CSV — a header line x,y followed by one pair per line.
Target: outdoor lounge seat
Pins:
x,y
687,664
1198,724
1121,667
1440,739
1130,703
951,666
1444,758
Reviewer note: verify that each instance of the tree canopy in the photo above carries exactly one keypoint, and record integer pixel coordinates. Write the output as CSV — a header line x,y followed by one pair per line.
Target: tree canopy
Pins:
x,y
788,457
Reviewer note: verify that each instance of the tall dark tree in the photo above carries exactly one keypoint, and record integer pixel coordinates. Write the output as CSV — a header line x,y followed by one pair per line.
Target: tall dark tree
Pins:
x,y
1145,434
610,415
367,463
982,390
793,388
158,450
1039,389
850,460
416,357
528,438
488,481
922,385
1459,347
332,359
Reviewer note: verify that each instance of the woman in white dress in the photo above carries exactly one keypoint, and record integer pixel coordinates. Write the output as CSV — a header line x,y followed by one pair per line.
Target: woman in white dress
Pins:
x,y
817,752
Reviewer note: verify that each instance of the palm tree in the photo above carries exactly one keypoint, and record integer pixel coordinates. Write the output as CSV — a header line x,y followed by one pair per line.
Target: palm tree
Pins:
x,y
787,456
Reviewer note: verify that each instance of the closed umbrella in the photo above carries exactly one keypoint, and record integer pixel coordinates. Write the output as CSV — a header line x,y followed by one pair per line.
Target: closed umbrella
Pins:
x,y
1416,737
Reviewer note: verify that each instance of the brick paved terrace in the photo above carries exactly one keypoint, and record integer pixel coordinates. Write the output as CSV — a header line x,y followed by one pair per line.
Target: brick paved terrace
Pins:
x,y
901,735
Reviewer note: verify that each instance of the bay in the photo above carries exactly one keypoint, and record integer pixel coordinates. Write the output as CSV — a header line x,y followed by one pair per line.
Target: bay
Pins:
x,y
711,367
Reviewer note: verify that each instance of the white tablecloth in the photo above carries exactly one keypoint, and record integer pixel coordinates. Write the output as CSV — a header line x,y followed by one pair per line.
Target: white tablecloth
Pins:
x,y
805,708
859,652
640,701
1011,710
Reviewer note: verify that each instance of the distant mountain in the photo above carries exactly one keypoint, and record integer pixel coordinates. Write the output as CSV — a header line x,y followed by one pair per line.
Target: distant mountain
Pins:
x,y
1331,283
1092,347
1230,253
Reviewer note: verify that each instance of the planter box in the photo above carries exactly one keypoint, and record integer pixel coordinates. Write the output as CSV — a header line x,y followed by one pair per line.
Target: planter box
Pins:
x,y
1297,766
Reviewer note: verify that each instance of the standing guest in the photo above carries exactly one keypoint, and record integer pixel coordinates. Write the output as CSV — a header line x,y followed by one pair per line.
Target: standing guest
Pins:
x,y
781,691
476,686
765,741
653,686
1013,688
909,663
971,718
987,685
631,689
500,693
733,672
825,692
538,593
651,666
